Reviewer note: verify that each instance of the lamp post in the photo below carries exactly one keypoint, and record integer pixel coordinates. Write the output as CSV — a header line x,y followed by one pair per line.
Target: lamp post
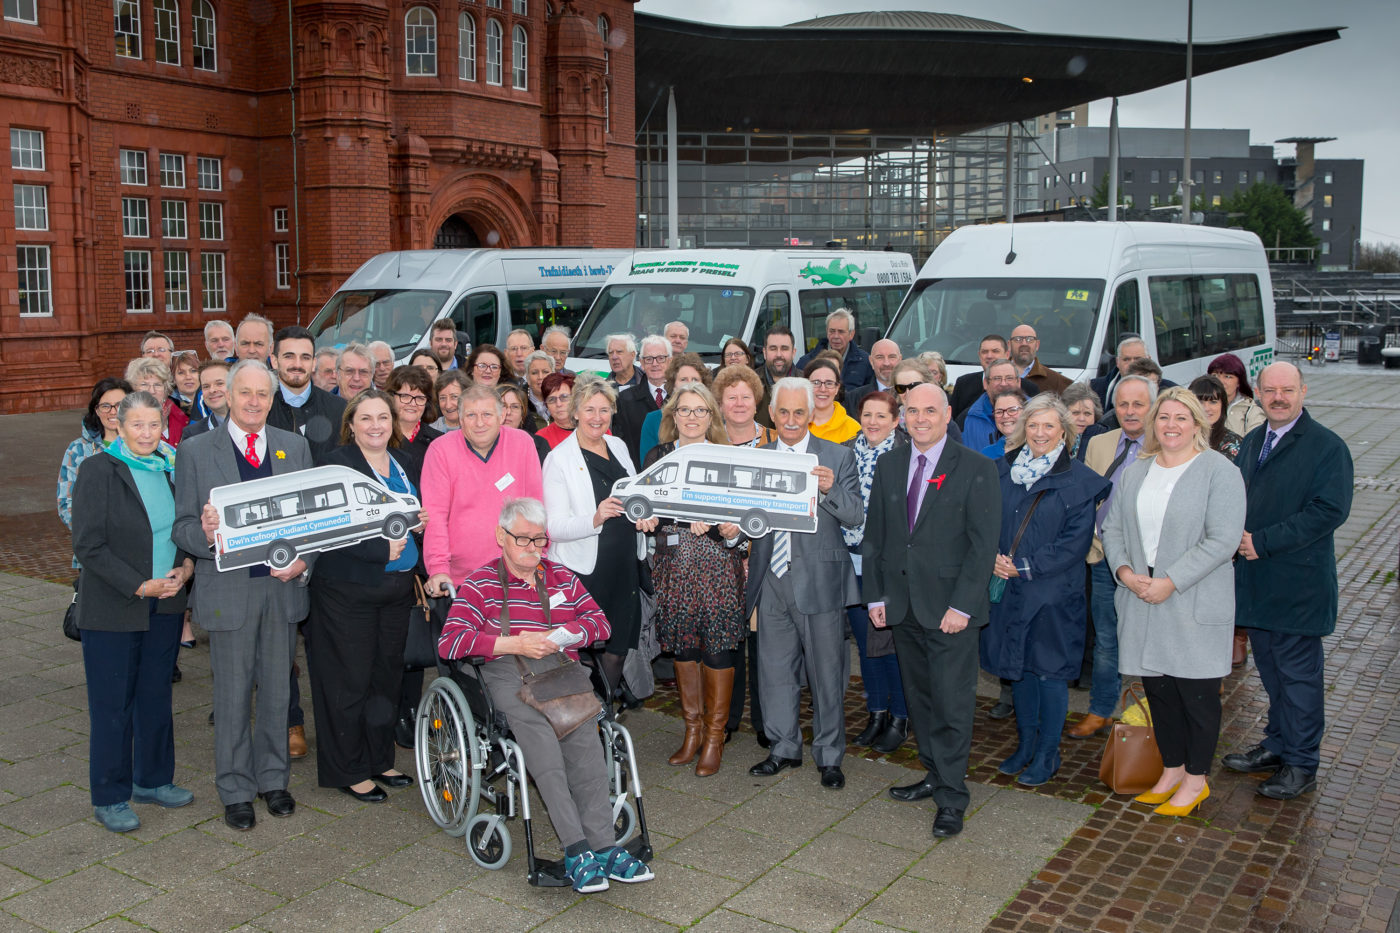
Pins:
x,y
1186,139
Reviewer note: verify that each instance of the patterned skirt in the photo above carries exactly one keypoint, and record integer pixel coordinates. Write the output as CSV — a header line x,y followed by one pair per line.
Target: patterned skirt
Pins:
x,y
699,592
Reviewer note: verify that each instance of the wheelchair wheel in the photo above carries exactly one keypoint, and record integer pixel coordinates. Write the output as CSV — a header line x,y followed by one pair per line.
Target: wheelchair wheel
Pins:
x,y
624,820
488,840
443,750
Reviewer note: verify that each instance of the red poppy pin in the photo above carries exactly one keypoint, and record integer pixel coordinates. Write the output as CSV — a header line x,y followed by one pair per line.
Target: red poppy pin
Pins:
x,y
937,481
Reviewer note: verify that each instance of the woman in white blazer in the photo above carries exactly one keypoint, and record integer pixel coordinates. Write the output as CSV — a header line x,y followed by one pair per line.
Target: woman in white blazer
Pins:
x,y
587,530
1169,536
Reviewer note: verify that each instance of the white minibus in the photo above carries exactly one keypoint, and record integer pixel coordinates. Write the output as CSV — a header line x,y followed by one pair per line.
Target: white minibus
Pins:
x,y
1190,292
724,293
396,297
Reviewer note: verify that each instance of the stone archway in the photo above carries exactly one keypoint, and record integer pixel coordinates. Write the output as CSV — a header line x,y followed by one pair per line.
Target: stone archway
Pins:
x,y
493,210
456,232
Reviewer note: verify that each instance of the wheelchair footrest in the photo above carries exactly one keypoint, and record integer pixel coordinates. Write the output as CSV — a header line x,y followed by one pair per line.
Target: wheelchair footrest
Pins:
x,y
549,873
639,849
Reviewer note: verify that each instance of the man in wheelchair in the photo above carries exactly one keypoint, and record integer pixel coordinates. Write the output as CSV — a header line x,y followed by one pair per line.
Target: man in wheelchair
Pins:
x,y
520,612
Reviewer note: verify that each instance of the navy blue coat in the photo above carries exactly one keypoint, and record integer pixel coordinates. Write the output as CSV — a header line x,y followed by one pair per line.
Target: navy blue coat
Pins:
x,y
856,370
1038,627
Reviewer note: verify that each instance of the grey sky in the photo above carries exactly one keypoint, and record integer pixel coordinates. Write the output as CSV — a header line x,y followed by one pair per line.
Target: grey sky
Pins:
x,y
1345,89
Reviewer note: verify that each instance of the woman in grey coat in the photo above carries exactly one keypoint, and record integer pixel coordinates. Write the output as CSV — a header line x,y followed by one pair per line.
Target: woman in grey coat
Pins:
x,y
1170,535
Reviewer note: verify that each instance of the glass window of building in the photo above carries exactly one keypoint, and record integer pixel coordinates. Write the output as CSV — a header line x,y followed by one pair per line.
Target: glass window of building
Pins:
x,y
22,11
211,220
172,170
136,266
420,41
1156,176
521,7
205,37
283,257
211,278
1325,248
136,221
173,220
1217,177
279,220
167,20
1327,200
1244,176
133,166
466,47
494,38
27,149
35,296
210,173
603,31
1327,178
177,280
31,207
519,59
128,28
1326,224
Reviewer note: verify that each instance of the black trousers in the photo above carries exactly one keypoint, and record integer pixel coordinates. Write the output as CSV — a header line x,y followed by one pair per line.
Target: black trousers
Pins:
x,y
939,672
354,649
1185,719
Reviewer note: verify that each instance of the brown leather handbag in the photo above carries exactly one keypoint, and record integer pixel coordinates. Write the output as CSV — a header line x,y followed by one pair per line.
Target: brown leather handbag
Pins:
x,y
558,686
1131,763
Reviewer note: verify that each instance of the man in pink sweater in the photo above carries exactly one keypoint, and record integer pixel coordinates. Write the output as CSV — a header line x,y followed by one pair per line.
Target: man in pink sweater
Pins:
x,y
467,477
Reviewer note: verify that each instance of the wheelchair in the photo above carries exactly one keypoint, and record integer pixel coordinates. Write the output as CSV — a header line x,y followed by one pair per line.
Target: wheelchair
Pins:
x,y
474,780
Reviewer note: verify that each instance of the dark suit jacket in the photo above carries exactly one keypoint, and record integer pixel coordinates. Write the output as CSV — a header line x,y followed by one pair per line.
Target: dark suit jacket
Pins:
x,y
318,420
823,577
856,370
201,426
633,406
968,389
946,561
364,562
112,540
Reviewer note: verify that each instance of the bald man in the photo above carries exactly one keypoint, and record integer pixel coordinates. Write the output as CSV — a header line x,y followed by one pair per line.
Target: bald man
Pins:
x,y
1025,353
884,357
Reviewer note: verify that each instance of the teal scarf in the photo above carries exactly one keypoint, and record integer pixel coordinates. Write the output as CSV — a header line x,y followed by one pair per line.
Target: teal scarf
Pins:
x,y
163,460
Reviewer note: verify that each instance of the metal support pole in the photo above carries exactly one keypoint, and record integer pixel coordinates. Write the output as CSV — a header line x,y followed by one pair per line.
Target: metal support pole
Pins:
x,y
1010,176
1186,139
1113,161
673,207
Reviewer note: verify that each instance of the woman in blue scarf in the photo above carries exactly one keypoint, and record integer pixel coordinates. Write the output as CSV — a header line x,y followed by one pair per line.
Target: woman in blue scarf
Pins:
x,y
131,603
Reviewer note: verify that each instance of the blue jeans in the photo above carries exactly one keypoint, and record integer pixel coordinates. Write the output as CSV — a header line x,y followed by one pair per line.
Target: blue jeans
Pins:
x,y
883,688
1107,688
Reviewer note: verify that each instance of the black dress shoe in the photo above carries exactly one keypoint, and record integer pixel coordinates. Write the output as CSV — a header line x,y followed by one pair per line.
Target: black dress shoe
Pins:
x,y
375,794
832,777
405,733
279,802
175,675
394,780
773,764
763,740
1288,782
948,822
239,816
893,736
1253,761
919,790
879,722
1002,710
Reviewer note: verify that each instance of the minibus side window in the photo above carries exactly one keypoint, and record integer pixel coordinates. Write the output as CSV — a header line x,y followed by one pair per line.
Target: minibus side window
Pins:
x,y
745,477
368,495
785,481
708,474
1123,319
663,476
774,311
1174,317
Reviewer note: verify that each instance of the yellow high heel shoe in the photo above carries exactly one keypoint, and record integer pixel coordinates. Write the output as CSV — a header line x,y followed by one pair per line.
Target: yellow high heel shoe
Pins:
x,y
1152,799
1167,809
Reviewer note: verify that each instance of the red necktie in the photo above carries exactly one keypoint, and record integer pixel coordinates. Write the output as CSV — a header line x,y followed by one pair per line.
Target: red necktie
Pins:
x,y
660,399
252,453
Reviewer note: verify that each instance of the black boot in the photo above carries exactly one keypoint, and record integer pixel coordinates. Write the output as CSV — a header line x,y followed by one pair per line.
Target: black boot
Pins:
x,y
893,736
404,731
1005,705
879,722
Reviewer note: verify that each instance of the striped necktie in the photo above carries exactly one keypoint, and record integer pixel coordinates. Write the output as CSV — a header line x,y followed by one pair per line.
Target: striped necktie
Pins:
x,y
782,553
1268,446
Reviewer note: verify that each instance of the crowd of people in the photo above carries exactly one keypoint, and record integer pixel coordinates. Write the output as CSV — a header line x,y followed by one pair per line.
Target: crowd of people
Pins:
x,y
998,524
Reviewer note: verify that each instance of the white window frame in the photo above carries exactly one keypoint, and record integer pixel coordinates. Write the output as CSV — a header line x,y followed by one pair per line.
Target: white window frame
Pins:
x,y
172,170
133,167
31,207
519,58
415,31
520,7
175,268
213,294
36,272
209,167
279,220
136,218
22,149
20,6
211,220
495,39
604,28
282,256
136,273
204,26
1326,224
466,47
166,24
494,4
174,220
130,37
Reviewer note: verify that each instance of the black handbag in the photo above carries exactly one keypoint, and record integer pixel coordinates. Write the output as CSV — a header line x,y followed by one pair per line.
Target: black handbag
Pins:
x,y
425,621
70,616
996,586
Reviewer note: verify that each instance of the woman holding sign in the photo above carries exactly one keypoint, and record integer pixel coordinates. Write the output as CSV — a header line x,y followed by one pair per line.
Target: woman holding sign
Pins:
x,y
699,592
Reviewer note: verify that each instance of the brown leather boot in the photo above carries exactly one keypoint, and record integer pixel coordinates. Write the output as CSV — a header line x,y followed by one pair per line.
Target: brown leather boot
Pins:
x,y
296,742
719,689
688,686
1089,727
1240,648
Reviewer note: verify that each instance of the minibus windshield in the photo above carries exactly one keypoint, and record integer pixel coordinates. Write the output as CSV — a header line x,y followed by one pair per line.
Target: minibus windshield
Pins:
x,y
714,313
399,317
952,316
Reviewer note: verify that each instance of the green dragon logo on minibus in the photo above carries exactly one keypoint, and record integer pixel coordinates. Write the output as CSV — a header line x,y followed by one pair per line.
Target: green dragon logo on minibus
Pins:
x,y
837,273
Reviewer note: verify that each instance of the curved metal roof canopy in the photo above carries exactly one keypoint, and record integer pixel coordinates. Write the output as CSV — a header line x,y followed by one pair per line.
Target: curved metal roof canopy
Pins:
x,y
906,80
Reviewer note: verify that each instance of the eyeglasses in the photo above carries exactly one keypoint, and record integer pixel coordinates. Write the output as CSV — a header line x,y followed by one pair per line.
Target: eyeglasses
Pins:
x,y
107,408
488,367
823,383
655,359
693,412
1023,339
538,543
406,399
362,373
559,399
1004,412
902,387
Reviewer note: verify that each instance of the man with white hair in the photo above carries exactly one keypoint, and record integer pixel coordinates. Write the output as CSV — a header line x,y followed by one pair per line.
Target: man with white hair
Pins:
x,y
555,342
383,356
648,395
840,337
158,345
218,340
253,339
323,376
622,353
355,372
678,336
519,345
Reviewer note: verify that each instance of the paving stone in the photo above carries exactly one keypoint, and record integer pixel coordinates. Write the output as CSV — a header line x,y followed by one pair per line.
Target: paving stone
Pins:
x,y
799,900
13,882
216,902
677,895
47,810
858,862
915,904
677,814
178,858
728,921
299,865
41,739
9,923
728,851
462,909
418,874
66,849
776,817
590,914
336,906
80,899
376,830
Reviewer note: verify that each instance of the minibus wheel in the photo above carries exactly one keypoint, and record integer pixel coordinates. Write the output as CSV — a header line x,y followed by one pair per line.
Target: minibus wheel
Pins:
x,y
637,509
280,555
395,527
754,524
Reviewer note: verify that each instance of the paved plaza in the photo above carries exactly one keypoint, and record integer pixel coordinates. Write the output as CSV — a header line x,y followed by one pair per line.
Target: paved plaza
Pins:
x,y
733,852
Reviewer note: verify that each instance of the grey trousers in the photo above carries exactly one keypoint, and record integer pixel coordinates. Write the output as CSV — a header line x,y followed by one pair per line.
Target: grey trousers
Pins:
x,y
790,642
571,775
250,757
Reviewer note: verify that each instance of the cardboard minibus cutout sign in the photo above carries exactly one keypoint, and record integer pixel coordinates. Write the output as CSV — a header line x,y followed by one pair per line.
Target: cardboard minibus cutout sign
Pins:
x,y
277,519
758,490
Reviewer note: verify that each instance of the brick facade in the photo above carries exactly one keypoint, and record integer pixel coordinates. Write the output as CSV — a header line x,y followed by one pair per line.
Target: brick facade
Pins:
x,y
319,121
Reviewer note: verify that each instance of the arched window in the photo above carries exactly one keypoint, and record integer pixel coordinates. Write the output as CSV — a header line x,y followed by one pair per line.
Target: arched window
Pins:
x,y
205,43
420,41
167,32
603,30
493,51
466,47
519,59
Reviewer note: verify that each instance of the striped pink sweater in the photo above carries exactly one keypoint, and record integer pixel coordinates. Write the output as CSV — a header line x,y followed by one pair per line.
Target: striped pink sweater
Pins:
x,y
473,622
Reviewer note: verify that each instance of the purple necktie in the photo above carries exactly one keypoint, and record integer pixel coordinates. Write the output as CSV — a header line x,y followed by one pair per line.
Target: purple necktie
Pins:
x,y
912,503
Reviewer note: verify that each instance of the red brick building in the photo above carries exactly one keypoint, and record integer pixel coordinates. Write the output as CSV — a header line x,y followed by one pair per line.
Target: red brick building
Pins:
x,y
179,161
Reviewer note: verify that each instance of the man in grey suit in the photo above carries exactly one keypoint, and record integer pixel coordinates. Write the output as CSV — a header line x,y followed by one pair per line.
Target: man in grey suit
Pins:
x,y
250,614
801,584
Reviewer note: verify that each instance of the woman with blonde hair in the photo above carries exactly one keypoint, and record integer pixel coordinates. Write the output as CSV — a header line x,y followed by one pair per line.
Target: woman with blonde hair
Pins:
x,y
699,591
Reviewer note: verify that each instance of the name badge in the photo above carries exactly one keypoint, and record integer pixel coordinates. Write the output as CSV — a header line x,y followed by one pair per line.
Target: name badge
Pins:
x,y
503,482
555,599
673,540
